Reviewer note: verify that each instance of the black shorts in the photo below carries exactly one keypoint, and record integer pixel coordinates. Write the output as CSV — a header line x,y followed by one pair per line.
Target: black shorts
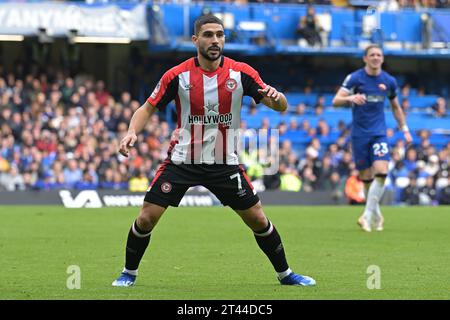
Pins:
x,y
229,183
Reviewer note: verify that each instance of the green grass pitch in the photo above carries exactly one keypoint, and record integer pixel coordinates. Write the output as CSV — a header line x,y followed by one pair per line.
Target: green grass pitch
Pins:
x,y
208,253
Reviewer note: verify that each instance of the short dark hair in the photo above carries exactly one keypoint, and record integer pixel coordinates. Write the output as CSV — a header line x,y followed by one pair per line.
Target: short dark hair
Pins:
x,y
208,18
372,46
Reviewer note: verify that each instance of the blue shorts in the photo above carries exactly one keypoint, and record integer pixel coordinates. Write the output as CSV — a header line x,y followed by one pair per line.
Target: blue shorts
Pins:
x,y
366,150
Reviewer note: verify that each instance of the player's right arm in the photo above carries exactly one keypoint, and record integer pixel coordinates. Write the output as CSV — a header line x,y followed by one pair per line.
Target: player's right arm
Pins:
x,y
137,123
163,93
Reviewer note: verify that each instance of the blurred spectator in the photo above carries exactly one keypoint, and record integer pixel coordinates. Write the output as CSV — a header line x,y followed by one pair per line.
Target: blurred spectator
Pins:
x,y
87,182
72,174
140,182
289,179
313,150
388,5
406,90
285,151
410,159
444,194
309,179
282,128
323,129
343,142
265,124
305,126
101,94
345,165
308,28
324,170
405,105
293,124
432,167
354,188
12,180
311,133
319,107
423,147
410,194
428,193
300,109
4,165
252,164
440,108
400,148
334,154
335,186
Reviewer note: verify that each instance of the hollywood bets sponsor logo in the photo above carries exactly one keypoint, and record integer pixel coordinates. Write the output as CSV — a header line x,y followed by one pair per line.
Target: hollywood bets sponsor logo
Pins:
x,y
225,119
211,116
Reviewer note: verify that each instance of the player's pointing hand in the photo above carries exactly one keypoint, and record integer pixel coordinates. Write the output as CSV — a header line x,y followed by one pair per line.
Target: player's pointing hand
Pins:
x,y
270,92
126,143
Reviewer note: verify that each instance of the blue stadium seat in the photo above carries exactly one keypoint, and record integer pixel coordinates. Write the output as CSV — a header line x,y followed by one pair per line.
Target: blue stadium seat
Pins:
x,y
294,98
422,101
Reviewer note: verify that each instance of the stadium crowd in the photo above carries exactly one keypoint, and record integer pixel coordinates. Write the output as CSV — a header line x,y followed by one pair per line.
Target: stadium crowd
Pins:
x,y
62,132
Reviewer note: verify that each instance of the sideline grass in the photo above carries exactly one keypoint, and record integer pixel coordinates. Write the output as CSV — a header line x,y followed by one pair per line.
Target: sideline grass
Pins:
x,y
208,253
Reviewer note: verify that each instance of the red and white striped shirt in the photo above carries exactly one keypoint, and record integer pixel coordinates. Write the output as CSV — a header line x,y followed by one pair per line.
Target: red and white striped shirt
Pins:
x,y
208,106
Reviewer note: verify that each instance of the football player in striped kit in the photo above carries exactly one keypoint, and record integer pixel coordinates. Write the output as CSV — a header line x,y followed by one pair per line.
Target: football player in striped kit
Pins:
x,y
207,91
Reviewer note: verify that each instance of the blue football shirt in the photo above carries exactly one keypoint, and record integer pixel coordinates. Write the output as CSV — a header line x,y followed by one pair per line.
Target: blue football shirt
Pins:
x,y
368,119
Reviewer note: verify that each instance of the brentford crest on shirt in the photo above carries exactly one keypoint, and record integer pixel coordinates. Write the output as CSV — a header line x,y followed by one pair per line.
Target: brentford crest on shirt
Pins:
x,y
166,187
230,85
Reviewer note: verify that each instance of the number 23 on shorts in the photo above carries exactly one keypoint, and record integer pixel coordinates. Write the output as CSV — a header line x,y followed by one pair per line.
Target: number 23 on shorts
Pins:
x,y
380,149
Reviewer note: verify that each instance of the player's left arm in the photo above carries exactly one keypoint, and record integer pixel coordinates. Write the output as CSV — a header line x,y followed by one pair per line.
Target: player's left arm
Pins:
x,y
401,119
273,98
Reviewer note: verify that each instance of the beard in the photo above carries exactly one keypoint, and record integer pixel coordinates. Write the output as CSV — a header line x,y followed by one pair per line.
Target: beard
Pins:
x,y
207,56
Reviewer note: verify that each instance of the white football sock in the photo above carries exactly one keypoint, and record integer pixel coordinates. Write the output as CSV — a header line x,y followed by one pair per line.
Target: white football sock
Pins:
x,y
367,214
366,189
132,272
283,274
376,191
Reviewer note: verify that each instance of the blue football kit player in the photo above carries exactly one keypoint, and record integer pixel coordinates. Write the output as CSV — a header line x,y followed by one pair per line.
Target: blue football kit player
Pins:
x,y
366,90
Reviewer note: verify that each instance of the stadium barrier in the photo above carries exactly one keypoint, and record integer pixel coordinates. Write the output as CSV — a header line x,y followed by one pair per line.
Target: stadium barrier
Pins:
x,y
117,198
